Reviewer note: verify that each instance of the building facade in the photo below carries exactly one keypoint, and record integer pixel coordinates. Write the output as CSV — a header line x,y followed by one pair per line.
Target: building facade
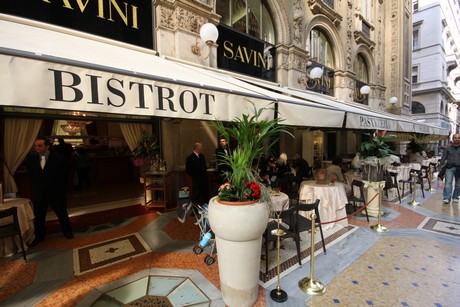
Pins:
x,y
435,73
276,45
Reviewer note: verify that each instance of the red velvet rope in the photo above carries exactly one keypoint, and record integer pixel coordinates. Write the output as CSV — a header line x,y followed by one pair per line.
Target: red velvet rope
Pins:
x,y
354,213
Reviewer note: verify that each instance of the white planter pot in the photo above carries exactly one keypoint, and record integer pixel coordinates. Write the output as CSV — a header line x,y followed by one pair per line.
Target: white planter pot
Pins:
x,y
238,231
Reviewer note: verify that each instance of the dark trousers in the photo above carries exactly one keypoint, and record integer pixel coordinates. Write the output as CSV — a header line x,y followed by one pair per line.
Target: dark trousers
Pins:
x,y
40,210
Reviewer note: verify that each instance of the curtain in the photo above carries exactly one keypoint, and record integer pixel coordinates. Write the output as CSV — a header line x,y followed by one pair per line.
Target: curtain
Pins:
x,y
132,131
19,137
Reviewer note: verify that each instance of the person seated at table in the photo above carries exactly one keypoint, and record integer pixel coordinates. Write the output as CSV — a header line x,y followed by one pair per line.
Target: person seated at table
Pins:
x,y
335,171
302,169
282,166
265,178
270,167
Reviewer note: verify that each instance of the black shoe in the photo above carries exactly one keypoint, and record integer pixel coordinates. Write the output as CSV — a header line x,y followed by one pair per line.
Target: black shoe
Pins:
x,y
68,235
35,242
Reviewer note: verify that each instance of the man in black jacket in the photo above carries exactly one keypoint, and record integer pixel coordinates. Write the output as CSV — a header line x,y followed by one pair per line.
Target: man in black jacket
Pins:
x,y
221,153
48,175
195,165
451,160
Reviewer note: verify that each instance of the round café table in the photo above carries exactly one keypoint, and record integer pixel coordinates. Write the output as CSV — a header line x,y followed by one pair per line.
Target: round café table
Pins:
x,y
8,246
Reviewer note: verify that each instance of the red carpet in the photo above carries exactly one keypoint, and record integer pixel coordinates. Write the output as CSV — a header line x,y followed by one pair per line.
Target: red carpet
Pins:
x,y
97,218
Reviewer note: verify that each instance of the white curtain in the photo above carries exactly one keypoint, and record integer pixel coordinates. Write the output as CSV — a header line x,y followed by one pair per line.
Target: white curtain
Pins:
x,y
19,138
132,132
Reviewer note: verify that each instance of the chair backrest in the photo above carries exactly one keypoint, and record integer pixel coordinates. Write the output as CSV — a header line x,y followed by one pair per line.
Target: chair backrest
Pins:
x,y
391,180
12,228
357,185
433,166
424,171
309,207
414,171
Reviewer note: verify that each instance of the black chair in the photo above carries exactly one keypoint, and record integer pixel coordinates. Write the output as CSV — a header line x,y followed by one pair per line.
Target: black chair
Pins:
x,y
357,187
425,175
391,182
303,223
12,229
288,185
409,181
290,232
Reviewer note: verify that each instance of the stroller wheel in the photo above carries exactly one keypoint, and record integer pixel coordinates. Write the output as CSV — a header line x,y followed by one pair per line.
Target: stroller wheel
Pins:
x,y
197,250
208,260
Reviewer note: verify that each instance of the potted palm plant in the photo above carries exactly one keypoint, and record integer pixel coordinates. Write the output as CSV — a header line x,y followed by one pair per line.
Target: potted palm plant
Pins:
x,y
416,150
376,155
146,150
238,216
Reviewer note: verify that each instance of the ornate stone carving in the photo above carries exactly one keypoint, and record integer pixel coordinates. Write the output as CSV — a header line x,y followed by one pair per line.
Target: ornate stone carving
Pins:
x,y
320,7
167,19
297,25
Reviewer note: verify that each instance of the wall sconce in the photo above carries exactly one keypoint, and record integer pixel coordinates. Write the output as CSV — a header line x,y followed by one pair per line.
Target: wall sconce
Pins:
x,y
363,92
393,100
208,34
313,76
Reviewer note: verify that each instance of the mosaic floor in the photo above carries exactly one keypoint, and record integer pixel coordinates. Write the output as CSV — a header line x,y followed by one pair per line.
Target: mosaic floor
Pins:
x,y
149,260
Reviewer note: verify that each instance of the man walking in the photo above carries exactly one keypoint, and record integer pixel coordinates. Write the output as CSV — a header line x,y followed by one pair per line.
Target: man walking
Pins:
x,y
48,175
451,156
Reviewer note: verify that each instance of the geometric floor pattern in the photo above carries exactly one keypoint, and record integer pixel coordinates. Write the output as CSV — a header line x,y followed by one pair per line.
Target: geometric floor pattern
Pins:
x,y
441,226
426,271
95,256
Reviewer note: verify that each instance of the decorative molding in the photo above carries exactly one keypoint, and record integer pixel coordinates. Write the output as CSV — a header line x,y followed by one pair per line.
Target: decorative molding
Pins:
x,y
320,7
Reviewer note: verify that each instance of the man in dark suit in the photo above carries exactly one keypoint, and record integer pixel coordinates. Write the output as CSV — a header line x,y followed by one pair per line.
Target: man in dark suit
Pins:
x,y
48,175
221,152
195,165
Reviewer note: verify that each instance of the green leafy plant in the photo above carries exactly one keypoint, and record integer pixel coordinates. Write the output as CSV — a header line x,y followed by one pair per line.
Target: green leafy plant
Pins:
x,y
375,145
147,147
415,147
254,136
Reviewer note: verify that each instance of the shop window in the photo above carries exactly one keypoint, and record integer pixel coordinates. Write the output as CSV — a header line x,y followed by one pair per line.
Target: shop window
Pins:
x,y
250,17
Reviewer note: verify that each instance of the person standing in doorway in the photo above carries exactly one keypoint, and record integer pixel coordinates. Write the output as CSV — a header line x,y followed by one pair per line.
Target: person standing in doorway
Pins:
x,y
48,175
222,151
195,165
451,158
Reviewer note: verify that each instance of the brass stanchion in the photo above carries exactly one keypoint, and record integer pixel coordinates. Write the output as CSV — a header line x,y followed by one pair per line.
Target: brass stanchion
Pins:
x,y
311,285
379,227
278,295
430,178
414,202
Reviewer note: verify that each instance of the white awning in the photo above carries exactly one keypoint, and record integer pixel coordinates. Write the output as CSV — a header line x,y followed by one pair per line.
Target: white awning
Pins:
x,y
42,66
358,116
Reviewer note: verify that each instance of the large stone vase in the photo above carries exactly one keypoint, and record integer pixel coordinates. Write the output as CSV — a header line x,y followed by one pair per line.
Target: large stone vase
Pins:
x,y
372,171
238,231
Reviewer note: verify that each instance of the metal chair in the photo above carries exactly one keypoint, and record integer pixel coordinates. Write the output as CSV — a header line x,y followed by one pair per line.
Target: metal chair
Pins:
x,y
11,229
303,223
290,232
357,186
392,183
419,181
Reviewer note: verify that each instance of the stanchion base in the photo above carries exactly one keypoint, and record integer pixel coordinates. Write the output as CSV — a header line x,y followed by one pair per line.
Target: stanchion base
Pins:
x,y
312,287
278,295
413,203
379,228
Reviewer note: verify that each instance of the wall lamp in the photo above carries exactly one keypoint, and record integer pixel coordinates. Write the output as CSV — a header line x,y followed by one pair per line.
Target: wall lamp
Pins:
x,y
208,34
363,92
313,76
393,100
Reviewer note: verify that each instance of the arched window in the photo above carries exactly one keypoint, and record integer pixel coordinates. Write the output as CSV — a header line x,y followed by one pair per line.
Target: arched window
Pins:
x,y
360,69
320,48
417,107
362,78
250,17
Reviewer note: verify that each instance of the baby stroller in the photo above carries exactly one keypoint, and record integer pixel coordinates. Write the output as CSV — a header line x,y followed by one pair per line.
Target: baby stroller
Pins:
x,y
184,206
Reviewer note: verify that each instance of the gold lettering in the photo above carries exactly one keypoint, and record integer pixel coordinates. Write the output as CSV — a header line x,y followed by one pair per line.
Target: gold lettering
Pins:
x,y
247,58
228,47
262,60
239,55
81,5
100,9
135,17
113,3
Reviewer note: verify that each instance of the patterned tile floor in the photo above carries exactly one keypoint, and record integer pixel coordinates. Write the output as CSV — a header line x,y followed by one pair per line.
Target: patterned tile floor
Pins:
x,y
416,263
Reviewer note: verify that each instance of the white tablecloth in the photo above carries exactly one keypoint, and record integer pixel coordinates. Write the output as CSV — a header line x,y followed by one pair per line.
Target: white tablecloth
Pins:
x,y
26,222
333,200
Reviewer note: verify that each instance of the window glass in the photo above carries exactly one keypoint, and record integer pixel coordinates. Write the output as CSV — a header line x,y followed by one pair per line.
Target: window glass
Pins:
x,y
320,48
250,17
360,68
